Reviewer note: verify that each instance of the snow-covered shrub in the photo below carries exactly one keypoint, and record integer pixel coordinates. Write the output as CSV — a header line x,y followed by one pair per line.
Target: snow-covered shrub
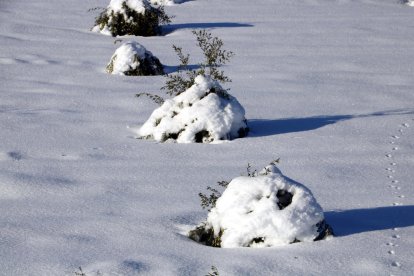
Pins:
x,y
267,209
214,57
132,59
204,113
131,17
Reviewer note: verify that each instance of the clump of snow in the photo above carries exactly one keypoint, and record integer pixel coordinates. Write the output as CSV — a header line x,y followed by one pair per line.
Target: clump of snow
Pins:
x,y
203,113
136,5
128,17
132,59
410,3
261,211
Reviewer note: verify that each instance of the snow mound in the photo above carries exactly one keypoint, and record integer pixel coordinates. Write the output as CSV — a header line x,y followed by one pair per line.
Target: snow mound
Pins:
x,y
261,211
128,17
203,113
132,59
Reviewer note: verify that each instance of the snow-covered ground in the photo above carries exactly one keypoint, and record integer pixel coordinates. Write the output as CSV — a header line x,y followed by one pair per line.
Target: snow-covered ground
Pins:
x,y
327,85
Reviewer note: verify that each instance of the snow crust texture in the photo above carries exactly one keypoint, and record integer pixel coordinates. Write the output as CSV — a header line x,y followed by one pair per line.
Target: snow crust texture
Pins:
x,y
203,113
131,58
266,210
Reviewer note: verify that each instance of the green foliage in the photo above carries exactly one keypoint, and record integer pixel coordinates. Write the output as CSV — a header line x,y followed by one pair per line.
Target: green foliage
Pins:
x,y
255,173
80,272
209,201
214,271
134,23
214,57
95,9
250,173
155,98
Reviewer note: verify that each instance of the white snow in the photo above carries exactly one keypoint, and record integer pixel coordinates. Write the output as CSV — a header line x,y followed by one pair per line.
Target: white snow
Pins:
x,y
327,86
137,5
196,110
248,209
127,57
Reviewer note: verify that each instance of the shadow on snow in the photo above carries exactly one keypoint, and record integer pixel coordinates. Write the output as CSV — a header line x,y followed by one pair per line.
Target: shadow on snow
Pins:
x,y
264,127
169,69
357,221
174,27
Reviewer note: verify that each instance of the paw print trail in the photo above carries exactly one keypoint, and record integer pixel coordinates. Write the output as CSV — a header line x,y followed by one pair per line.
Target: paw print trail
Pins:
x,y
393,183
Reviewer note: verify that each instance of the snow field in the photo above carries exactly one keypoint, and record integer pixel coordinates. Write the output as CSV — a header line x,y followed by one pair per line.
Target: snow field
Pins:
x,y
325,85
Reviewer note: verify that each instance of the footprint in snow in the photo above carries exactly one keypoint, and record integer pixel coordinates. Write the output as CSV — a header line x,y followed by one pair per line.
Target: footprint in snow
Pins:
x,y
27,59
394,139
65,156
11,155
396,264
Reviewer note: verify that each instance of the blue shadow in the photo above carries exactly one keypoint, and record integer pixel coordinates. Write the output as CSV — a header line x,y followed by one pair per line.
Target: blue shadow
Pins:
x,y
350,222
174,27
168,69
264,127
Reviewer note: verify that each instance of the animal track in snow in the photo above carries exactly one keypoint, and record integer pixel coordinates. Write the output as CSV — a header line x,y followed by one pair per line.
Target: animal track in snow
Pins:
x,y
11,155
392,158
396,264
27,59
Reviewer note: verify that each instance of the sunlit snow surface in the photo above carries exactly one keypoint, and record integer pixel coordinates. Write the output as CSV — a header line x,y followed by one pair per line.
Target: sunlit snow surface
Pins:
x,y
326,85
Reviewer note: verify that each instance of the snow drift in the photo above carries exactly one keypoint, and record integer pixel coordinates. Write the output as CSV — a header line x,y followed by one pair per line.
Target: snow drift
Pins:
x,y
132,59
261,211
203,113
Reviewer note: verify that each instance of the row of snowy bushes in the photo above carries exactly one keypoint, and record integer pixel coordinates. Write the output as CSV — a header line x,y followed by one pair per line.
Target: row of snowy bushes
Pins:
x,y
258,210
201,110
